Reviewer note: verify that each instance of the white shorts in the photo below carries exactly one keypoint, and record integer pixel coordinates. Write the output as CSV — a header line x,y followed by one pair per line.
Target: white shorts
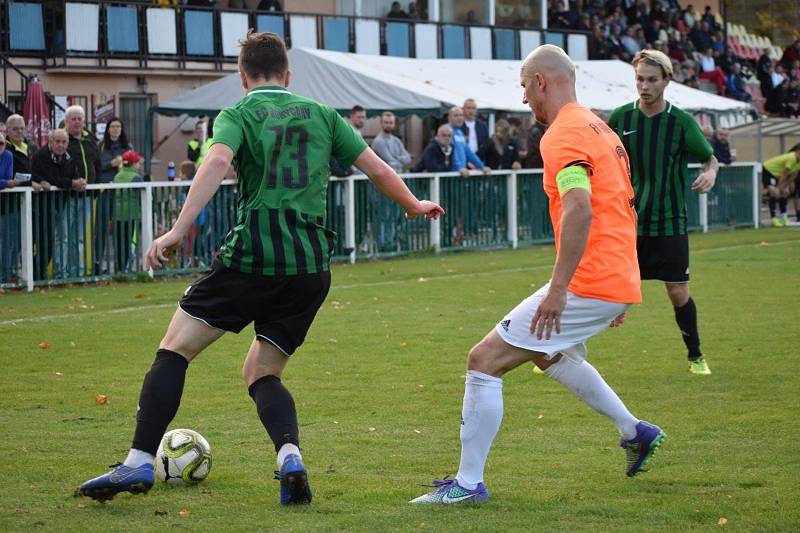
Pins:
x,y
582,319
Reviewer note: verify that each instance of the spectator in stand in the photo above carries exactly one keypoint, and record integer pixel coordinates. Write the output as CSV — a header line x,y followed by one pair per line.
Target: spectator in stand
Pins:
x,y
114,144
6,165
700,36
779,175
599,47
357,117
763,66
82,145
618,50
791,53
437,156
528,147
270,5
198,138
396,12
382,210
206,146
736,85
500,151
9,216
127,211
462,153
630,43
687,15
412,11
475,131
709,19
722,150
389,147
711,72
53,165
21,150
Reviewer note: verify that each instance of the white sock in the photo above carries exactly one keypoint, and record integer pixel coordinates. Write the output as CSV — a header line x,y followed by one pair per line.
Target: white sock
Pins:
x,y
480,419
287,449
585,382
138,458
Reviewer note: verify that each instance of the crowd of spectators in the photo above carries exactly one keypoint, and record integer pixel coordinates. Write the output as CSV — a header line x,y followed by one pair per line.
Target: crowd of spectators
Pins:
x,y
695,43
70,231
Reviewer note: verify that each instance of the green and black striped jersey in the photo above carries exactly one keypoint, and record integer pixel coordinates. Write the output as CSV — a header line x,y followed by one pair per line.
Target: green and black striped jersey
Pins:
x,y
658,148
282,145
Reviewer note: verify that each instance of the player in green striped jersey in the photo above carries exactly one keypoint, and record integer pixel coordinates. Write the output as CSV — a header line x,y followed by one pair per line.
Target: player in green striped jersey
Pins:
x,y
273,268
659,138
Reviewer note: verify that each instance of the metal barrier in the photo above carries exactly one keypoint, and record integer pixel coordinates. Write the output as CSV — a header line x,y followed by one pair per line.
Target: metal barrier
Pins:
x,y
58,237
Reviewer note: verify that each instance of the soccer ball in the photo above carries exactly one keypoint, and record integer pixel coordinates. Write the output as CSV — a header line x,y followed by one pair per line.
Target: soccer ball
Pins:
x,y
183,457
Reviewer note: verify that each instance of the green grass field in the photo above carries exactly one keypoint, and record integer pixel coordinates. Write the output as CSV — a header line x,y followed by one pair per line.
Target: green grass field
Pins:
x,y
379,383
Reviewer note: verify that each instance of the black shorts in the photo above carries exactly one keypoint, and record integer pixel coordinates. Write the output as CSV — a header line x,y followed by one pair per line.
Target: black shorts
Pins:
x,y
282,307
664,258
767,179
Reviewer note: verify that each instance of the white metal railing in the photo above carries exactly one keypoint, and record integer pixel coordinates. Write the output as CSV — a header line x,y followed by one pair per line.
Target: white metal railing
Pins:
x,y
506,223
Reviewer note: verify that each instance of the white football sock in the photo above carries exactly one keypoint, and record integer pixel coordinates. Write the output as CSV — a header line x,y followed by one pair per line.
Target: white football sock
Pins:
x,y
287,449
586,383
480,419
138,458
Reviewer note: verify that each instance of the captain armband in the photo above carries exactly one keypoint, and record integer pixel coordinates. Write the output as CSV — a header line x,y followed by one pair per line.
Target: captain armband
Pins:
x,y
573,177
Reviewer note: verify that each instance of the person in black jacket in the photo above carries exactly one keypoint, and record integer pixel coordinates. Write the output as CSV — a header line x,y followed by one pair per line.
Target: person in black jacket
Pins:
x,y
52,165
500,151
437,156
82,144
20,148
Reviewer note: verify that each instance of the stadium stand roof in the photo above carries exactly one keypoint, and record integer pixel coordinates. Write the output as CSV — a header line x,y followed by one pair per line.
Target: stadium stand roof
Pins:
x,y
427,86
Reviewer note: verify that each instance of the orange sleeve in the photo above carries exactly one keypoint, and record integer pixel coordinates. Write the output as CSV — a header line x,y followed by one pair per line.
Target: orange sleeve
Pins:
x,y
568,148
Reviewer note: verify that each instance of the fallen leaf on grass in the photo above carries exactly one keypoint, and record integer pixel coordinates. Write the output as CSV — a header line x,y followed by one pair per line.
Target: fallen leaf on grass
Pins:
x,y
184,513
24,449
101,399
44,345
77,299
160,513
59,374
81,506
722,521
139,296
418,432
372,429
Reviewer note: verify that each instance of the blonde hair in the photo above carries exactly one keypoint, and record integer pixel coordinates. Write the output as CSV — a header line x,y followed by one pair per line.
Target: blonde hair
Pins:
x,y
654,58
387,114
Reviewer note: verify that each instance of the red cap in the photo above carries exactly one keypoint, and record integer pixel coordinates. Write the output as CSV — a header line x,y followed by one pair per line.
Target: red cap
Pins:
x,y
130,157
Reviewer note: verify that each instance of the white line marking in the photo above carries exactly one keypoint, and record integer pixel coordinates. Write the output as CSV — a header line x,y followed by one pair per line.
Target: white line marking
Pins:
x,y
16,321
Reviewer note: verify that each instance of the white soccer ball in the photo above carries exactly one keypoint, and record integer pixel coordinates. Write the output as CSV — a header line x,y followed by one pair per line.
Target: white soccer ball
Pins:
x,y
183,457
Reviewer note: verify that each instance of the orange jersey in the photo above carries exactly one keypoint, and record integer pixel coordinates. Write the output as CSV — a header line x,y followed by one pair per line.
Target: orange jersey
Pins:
x,y
608,269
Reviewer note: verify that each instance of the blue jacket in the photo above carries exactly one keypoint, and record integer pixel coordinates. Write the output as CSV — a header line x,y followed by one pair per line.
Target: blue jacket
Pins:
x,y
462,153
6,168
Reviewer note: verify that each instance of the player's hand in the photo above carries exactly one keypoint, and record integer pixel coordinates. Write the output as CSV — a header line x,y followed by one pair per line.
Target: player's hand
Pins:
x,y
161,247
431,211
618,321
704,182
548,314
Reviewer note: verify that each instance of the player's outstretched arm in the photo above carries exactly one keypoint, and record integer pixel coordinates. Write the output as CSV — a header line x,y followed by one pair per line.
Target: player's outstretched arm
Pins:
x,y
204,185
392,186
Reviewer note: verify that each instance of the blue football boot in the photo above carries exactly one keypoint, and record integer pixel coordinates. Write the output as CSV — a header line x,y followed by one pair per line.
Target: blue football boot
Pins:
x,y
120,479
295,489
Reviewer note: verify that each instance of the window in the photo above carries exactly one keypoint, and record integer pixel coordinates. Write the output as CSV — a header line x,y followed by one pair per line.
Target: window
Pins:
x,y
518,13
465,11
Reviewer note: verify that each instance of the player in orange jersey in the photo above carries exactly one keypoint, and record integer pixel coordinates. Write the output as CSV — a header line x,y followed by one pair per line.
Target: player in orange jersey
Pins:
x,y
595,279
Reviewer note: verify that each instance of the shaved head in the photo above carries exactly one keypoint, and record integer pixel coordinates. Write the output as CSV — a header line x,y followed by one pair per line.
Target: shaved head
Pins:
x,y
551,61
548,79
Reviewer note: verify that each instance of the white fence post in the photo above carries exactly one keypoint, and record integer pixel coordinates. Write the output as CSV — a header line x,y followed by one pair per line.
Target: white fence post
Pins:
x,y
703,208
756,195
27,239
436,225
511,201
350,218
147,219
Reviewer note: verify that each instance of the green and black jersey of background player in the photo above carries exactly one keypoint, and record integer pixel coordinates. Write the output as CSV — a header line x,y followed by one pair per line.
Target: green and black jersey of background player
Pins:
x,y
282,144
658,147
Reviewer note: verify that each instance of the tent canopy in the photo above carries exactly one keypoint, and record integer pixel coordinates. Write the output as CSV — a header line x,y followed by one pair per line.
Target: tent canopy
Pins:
x,y
427,86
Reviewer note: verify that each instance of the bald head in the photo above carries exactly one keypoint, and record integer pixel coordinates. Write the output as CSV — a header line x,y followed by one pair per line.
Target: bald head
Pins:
x,y
456,116
548,79
551,62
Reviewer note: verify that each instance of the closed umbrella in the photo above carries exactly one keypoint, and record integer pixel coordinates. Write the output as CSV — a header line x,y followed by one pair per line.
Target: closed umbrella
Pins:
x,y
36,113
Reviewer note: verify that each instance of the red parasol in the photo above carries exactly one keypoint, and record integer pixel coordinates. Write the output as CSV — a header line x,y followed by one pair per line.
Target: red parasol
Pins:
x,y
37,114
